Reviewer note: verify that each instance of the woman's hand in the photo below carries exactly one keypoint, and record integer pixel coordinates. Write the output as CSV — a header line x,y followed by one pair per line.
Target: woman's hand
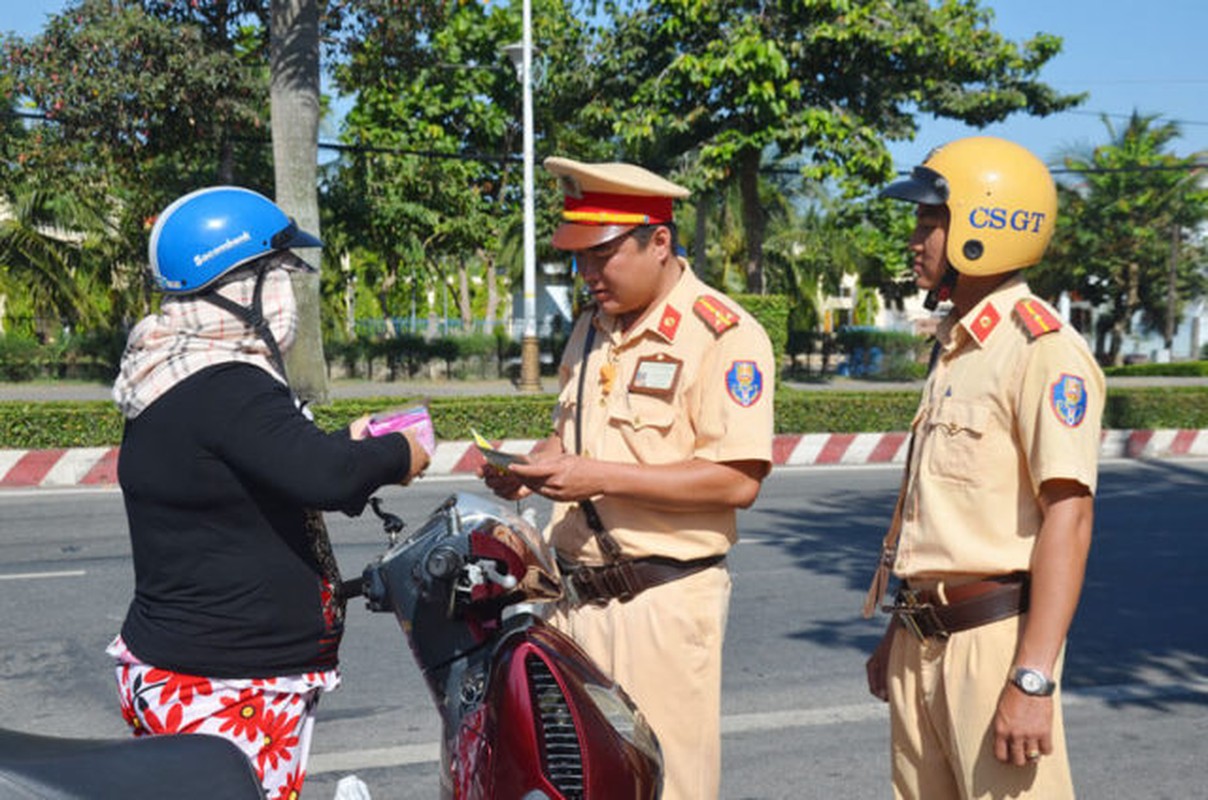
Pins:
x,y
419,456
359,428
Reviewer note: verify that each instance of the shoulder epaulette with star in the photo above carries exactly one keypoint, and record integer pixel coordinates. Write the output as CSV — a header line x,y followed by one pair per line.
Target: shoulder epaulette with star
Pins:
x,y
1036,317
714,313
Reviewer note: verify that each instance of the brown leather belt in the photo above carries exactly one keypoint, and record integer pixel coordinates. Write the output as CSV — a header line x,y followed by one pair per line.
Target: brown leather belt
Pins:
x,y
623,580
927,615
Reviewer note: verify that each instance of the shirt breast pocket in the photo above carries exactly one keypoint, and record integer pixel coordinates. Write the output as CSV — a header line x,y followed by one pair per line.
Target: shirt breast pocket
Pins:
x,y
645,424
957,436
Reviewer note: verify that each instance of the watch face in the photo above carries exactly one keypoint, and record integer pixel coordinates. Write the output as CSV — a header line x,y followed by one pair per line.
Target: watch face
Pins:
x,y
1033,682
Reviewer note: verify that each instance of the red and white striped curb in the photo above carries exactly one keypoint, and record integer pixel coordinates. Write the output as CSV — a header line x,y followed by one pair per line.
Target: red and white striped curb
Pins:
x,y
97,466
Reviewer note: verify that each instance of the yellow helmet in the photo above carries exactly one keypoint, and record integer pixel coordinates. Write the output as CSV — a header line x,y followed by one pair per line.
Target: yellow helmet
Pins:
x,y
1001,198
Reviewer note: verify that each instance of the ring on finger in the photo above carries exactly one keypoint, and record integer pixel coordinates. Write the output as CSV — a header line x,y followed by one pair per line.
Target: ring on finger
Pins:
x,y
1034,755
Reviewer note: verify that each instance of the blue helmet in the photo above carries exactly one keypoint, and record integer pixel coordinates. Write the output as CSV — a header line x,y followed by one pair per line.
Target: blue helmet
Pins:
x,y
207,233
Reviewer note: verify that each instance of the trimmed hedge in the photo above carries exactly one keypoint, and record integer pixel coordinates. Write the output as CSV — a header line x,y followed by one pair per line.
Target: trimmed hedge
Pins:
x,y
1157,407
772,311
97,423
1186,369
844,412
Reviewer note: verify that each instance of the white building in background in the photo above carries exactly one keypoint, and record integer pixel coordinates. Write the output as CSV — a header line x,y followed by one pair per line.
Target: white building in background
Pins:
x,y
1191,333
555,311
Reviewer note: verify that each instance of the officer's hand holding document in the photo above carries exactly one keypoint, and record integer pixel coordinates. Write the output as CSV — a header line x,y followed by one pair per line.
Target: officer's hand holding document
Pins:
x,y
497,473
498,459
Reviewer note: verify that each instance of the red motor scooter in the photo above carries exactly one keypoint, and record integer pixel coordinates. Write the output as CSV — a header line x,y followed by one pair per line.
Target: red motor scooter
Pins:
x,y
526,713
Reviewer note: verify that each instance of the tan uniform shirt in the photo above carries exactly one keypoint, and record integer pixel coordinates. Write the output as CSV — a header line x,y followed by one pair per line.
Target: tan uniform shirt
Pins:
x,y
692,379
1005,408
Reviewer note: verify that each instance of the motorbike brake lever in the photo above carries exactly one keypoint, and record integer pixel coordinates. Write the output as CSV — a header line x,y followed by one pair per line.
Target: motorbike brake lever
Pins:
x,y
391,523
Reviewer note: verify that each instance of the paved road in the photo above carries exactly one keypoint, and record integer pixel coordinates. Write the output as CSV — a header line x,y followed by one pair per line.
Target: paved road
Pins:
x,y
798,721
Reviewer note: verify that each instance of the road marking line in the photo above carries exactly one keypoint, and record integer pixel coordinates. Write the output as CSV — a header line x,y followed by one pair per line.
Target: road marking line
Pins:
x,y
31,576
731,724
352,760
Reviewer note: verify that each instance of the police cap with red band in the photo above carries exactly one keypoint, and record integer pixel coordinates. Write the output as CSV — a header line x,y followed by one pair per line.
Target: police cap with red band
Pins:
x,y
604,201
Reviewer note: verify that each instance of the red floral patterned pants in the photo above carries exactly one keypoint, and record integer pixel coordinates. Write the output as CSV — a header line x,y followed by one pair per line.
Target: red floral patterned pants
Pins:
x,y
270,719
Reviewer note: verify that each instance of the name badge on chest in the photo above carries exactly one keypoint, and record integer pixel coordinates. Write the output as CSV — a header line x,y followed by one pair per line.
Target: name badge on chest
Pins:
x,y
656,375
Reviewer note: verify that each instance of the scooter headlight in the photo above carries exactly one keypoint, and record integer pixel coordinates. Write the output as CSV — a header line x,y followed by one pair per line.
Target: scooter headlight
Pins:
x,y
624,718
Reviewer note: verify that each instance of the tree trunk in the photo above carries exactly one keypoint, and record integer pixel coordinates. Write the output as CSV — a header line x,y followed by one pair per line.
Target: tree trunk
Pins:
x,y
1172,292
700,250
389,281
488,320
295,123
463,296
752,217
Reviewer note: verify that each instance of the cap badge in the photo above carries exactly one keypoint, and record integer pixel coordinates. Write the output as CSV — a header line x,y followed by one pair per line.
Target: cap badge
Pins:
x,y
571,186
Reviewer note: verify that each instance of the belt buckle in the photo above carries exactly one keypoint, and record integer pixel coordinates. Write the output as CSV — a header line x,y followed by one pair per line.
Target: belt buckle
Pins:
x,y
598,586
621,581
588,586
910,610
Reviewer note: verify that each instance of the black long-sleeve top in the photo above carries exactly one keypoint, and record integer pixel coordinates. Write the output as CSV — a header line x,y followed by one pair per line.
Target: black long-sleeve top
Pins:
x,y
217,474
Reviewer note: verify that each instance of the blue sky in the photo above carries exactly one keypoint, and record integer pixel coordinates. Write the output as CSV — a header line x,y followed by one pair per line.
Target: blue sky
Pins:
x,y
1129,56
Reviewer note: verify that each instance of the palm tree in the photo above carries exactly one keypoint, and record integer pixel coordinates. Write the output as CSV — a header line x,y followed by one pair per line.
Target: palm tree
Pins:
x,y
1134,207
49,255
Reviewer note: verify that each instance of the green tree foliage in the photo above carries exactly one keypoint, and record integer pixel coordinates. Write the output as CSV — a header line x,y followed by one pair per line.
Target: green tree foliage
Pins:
x,y
435,187
1132,206
432,100
47,268
145,98
142,102
725,83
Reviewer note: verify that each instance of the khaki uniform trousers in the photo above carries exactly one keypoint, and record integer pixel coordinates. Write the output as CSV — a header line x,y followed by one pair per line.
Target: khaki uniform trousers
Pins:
x,y
664,648
942,697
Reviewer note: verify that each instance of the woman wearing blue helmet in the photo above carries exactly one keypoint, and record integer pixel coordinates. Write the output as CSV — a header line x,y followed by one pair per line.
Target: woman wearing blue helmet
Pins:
x,y
237,616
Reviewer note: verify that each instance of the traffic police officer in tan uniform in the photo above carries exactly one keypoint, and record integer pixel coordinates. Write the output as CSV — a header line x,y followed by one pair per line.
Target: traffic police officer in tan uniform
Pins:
x,y
990,536
663,428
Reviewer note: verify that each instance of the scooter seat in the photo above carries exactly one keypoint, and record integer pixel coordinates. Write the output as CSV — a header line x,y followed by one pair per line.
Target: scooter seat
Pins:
x,y
183,767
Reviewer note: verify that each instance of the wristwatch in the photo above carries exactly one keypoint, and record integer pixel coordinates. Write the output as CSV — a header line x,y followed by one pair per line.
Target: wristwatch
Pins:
x,y
1033,682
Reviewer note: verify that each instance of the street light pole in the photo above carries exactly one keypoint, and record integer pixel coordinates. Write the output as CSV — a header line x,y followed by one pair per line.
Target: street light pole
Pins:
x,y
530,351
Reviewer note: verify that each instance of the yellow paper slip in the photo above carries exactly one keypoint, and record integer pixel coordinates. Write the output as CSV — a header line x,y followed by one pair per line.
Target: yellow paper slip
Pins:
x,y
496,458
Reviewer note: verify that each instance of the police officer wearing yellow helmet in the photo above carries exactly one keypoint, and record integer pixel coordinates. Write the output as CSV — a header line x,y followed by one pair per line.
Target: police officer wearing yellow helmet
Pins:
x,y
662,429
990,535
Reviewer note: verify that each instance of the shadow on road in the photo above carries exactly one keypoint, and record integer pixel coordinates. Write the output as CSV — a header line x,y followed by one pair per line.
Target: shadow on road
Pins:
x,y
1141,618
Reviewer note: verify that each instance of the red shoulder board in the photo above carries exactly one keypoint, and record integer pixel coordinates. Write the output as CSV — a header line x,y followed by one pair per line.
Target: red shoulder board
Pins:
x,y
1036,317
716,314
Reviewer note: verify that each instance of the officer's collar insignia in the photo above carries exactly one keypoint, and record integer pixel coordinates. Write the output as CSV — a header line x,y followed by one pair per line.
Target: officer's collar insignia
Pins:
x,y
1067,398
984,322
714,313
669,323
1036,318
744,383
